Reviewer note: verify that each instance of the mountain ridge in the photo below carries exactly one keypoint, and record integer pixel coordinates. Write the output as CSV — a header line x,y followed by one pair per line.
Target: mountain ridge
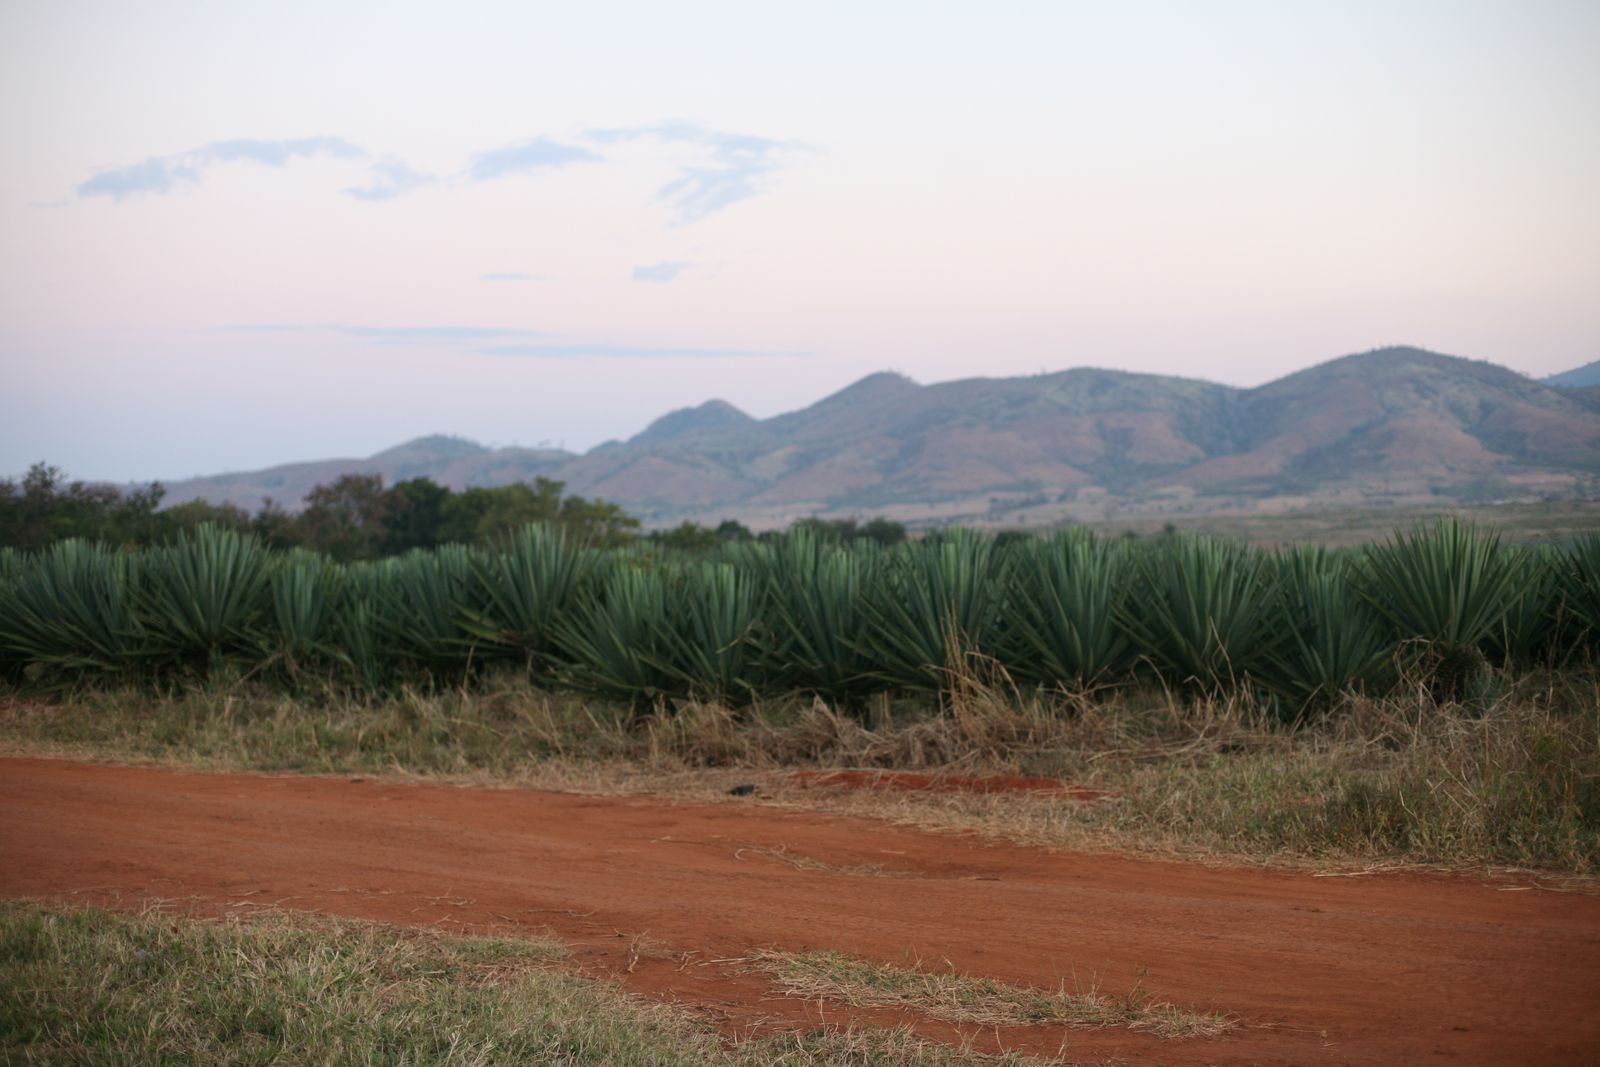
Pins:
x,y
1577,378
1389,425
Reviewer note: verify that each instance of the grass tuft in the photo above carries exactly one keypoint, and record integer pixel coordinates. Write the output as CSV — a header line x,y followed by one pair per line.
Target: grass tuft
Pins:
x,y
959,998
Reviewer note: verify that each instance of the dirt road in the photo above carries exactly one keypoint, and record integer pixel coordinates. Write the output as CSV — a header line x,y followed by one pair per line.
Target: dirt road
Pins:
x,y
1384,969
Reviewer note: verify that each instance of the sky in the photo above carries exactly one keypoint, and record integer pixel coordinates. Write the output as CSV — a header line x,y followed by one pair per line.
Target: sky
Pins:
x,y
234,235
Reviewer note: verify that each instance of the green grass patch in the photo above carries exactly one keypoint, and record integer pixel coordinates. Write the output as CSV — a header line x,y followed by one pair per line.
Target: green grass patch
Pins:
x,y
92,986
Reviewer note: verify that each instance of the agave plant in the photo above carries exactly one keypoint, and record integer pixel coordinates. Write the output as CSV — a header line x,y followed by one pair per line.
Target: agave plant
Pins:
x,y
1580,581
1065,596
1337,642
936,603
204,597
355,625
814,601
421,608
523,592
308,591
11,664
1444,589
1532,629
1446,582
69,610
616,643
1204,611
710,633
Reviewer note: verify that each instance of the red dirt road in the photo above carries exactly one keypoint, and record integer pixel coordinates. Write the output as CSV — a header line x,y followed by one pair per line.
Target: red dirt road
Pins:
x,y
1386,969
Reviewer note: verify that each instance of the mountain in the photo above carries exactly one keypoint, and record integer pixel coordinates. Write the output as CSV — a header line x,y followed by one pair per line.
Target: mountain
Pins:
x,y
1577,378
1390,426
450,461
691,424
1587,395
1405,414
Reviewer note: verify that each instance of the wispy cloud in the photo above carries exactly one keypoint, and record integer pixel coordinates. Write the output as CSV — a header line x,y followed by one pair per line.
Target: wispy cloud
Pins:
x,y
726,168
738,165
660,272
389,178
393,335
161,175
537,153
583,351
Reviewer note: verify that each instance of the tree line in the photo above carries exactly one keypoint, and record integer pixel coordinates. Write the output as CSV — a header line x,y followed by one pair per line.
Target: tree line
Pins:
x,y
357,517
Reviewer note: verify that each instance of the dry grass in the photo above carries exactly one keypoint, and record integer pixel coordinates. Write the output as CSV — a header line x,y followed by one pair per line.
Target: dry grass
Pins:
x,y
958,998
92,986
1513,781
809,863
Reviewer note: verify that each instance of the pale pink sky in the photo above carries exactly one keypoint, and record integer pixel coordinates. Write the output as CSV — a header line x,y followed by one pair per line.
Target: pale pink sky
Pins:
x,y
243,235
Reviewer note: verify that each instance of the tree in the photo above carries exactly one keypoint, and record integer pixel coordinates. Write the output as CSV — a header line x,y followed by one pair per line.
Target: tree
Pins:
x,y
884,531
353,517
414,515
345,519
273,526
44,507
483,516
687,537
137,519
733,530
192,513
597,522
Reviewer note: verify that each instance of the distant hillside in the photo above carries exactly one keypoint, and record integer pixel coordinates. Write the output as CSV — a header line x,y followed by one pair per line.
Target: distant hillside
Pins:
x,y
1578,377
1394,425
450,461
1587,395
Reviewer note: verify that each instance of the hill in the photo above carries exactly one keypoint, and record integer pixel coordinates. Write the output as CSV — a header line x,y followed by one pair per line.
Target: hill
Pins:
x,y
1390,426
1578,377
450,461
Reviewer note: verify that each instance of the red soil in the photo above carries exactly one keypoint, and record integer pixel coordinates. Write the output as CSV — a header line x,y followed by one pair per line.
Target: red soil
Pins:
x,y
910,782
1397,968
